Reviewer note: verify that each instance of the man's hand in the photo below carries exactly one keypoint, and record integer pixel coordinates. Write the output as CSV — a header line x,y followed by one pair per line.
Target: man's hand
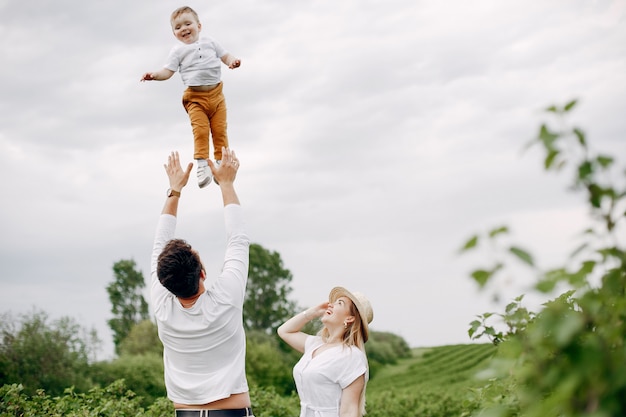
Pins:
x,y
226,171
225,174
178,177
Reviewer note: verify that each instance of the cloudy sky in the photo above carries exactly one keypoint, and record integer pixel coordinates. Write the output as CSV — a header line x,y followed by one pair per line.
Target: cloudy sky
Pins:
x,y
375,137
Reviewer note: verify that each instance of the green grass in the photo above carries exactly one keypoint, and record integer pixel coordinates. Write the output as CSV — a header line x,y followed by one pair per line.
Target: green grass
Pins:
x,y
437,366
434,382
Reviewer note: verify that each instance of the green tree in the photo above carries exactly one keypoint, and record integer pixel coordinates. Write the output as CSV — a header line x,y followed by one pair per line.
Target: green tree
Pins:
x,y
127,303
267,365
266,305
397,347
143,374
568,359
142,339
40,354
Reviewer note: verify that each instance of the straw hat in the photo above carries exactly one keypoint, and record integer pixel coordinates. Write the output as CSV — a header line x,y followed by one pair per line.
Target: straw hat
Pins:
x,y
362,304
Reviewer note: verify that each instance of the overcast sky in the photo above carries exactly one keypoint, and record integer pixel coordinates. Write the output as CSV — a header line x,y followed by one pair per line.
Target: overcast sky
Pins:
x,y
375,137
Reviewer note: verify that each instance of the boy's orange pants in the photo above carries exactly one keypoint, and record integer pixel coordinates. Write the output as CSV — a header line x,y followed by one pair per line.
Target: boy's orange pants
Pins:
x,y
207,113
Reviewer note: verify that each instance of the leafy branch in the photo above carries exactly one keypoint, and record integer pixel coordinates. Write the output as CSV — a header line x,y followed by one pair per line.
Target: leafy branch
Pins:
x,y
568,359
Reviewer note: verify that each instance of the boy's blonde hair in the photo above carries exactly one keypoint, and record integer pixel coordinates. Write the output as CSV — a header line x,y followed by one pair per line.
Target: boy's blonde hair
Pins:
x,y
184,9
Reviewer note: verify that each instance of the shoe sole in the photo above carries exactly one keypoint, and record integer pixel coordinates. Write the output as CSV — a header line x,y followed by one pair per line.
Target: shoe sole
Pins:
x,y
204,183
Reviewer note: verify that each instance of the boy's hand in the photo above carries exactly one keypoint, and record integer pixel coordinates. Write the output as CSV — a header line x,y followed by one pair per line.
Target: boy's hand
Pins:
x,y
235,64
148,76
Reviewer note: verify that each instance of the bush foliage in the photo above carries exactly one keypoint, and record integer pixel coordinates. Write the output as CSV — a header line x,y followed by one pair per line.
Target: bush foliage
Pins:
x,y
44,354
568,359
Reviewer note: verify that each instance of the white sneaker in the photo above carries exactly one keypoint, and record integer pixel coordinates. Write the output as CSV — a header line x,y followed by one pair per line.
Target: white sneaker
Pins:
x,y
204,176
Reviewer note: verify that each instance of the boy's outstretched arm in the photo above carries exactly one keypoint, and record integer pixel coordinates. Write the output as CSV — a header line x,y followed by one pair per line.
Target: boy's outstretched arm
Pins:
x,y
160,75
230,61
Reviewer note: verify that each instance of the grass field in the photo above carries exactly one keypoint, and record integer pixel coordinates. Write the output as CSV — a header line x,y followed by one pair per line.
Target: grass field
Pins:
x,y
433,382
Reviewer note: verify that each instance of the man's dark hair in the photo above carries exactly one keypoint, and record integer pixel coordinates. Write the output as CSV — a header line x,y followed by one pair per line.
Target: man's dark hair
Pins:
x,y
179,268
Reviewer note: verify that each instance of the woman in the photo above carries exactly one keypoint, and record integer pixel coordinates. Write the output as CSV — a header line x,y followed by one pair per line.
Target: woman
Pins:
x,y
332,373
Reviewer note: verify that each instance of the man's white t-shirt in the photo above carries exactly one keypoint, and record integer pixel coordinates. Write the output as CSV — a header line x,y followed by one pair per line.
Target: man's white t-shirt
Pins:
x,y
204,347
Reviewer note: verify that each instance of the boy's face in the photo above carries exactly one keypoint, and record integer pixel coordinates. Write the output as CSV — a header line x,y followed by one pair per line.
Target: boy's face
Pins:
x,y
186,28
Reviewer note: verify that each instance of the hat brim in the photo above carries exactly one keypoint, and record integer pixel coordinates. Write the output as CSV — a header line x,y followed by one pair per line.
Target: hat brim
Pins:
x,y
337,292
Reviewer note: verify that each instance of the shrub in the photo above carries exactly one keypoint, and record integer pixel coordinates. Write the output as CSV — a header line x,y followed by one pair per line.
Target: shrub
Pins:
x,y
114,400
266,402
267,365
143,374
43,354
569,359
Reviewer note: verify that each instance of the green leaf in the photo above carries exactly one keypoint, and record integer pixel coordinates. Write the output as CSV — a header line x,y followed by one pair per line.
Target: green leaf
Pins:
x,y
552,154
509,307
604,161
551,278
585,170
579,249
612,252
580,135
587,267
569,325
522,255
471,243
556,275
545,286
481,276
595,195
547,137
569,106
579,278
552,109
613,281
498,231
474,327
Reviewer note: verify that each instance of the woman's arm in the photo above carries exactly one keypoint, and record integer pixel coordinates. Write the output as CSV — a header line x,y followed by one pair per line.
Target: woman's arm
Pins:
x,y
351,398
290,332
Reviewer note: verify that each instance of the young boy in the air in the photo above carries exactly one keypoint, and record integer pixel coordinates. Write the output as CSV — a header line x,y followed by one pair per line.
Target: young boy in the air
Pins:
x,y
199,60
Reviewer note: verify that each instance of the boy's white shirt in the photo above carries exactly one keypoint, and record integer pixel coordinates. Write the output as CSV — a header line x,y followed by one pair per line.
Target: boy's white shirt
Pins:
x,y
198,63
